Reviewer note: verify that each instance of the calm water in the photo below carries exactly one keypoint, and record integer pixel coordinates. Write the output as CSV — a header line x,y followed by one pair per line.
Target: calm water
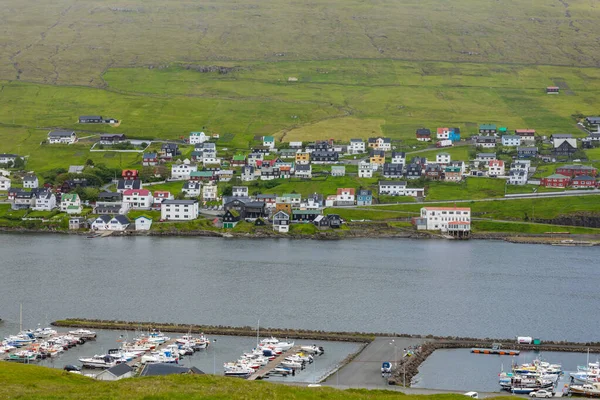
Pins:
x,y
458,369
475,288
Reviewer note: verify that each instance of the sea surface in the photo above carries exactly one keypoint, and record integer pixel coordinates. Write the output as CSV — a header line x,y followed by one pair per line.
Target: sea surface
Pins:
x,y
471,288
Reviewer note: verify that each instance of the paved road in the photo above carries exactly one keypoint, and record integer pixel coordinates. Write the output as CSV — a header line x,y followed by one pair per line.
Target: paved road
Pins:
x,y
365,370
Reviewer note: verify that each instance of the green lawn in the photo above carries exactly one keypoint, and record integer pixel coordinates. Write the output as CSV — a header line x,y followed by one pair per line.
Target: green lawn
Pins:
x,y
470,188
492,226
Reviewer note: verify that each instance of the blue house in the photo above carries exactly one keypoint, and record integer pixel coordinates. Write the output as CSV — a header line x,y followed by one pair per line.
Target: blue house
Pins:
x,y
454,134
364,198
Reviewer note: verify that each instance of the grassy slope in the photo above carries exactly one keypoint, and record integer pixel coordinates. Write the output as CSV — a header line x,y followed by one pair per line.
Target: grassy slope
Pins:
x,y
32,382
74,41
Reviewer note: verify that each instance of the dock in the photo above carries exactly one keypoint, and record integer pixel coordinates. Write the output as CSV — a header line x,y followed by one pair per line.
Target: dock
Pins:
x,y
267,369
138,360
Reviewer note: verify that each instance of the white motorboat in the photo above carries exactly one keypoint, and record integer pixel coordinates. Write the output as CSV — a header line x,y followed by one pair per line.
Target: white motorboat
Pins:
x,y
586,376
291,364
589,389
44,333
314,349
239,371
164,356
83,333
19,340
98,361
274,343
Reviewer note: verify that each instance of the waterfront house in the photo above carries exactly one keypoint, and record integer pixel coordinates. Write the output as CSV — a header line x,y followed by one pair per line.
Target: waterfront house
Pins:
x,y
247,209
269,141
209,192
62,137
70,203
575,170
143,223
248,173
357,146
239,191
496,168
365,170
556,180
455,221
149,159
423,135
511,140
164,369
119,371
305,215
584,182
168,151
191,189
392,170
111,223
377,157
231,219
78,223
452,174
198,137
380,143
138,199
30,181
4,183
364,198
398,157
414,171
338,170
123,185
179,210
130,174
443,158
101,223
485,141
45,201
159,196
443,133
487,129
564,147
281,222
526,152
112,138
259,222
328,221
345,197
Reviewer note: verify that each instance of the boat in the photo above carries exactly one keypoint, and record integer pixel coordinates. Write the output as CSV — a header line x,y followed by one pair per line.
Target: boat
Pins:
x,y
495,349
83,333
571,242
239,371
586,376
164,356
386,367
44,333
274,343
98,361
588,389
314,349
24,356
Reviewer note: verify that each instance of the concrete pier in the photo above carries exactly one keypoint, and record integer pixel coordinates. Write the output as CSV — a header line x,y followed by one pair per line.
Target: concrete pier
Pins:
x,y
267,369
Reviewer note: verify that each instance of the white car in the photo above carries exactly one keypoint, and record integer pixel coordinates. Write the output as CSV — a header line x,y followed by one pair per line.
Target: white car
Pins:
x,y
542,394
473,395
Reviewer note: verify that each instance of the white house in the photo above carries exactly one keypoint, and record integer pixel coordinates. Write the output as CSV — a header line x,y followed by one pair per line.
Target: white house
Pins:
x,y
345,197
143,223
338,170
511,140
330,200
62,137
248,173
30,181
208,159
281,222
442,158
70,203
179,210
517,177
119,371
485,157
399,188
365,170
160,196
303,171
357,146
110,223
45,201
398,157
198,137
192,188
453,220
140,199
239,191
443,133
4,183
209,192
295,145
496,168
8,158
182,171
380,143
289,198
269,141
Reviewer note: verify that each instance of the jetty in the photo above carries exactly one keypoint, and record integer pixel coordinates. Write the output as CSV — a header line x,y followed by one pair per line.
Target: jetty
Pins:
x,y
495,349
267,369
137,362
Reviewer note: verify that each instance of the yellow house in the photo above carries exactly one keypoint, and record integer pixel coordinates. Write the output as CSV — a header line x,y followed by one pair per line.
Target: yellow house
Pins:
x,y
302,158
377,157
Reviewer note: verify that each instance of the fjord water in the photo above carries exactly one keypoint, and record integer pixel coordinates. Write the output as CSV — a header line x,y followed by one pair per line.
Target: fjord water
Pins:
x,y
474,288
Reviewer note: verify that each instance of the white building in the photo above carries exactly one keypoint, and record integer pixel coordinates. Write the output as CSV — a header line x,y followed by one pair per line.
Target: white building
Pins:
x,y
443,158
198,137
517,177
62,137
303,171
179,210
345,197
248,173
443,133
398,157
192,189
295,145
70,203
496,168
4,172
8,158
447,219
209,192
4,183
338,170
365,170
45,201
511,140
143,223
30,181
138,199
399,188
281,222
239,191
119,371
357,146
269,141
110,223
182,171
289,198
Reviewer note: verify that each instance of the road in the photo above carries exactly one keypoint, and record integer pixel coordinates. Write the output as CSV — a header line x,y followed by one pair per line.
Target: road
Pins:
x,y
365,370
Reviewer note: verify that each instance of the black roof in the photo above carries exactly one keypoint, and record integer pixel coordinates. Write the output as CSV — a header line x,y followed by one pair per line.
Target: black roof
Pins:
x,y
61,133
109,195
162,369
122,219
120,369
423,131
134,183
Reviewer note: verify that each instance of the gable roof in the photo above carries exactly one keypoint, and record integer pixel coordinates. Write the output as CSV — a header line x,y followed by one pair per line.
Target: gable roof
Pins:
x,y
393,183
122,219
120,369
60,133
149,155
105,218
162,369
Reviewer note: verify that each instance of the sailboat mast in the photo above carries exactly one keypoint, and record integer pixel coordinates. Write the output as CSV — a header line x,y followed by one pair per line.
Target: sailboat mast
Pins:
x,y
20,317
257,332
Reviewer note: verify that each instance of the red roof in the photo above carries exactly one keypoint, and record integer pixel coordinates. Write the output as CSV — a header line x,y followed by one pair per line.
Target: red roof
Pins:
x,y
136,192
441,130
459,223
162,192
350,190
525,131
498,163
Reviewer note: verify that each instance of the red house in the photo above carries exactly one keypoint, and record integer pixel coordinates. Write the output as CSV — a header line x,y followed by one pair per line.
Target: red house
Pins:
x,y
556,180
576,170
584,182
130,174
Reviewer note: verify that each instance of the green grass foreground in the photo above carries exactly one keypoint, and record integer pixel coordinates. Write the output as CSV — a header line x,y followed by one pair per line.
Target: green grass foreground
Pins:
x,y
34,382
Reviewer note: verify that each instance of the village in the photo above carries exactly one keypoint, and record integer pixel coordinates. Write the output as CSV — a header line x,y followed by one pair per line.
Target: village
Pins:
x,y
219,186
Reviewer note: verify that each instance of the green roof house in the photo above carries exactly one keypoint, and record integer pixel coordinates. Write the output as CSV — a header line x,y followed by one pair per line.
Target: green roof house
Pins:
x,y
487,129
269,141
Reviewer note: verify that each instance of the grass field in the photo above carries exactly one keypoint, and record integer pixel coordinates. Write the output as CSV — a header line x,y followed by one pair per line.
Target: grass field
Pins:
x,y
493,226
72,42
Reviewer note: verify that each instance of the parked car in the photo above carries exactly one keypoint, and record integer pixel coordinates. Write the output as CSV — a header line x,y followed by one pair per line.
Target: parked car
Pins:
x,y
544,394
473,395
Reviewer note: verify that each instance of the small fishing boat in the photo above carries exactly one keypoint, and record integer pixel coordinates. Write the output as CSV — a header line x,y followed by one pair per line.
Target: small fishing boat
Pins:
x,y
239,371
83,333
24,356
98,361
588,389
314,349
